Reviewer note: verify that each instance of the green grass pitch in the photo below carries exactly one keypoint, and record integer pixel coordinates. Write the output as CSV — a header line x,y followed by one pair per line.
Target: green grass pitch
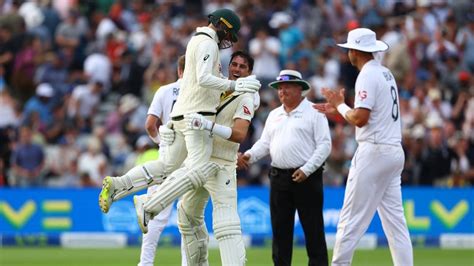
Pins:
x,y
13,256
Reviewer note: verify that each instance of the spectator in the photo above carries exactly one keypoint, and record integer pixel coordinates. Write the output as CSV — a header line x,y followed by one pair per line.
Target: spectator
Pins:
x,y
436,158
84,103
27,161
465,42
265,50
8,107
53,70
24,68
42,104
92,164
291,37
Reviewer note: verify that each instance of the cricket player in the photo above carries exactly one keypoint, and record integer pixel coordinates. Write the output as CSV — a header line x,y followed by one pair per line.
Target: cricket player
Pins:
x,y
374,181
202,86
231,126
152,173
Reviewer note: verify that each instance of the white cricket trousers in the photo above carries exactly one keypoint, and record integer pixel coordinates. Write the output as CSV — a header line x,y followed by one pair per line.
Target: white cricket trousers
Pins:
x,y
155,228
194,145
374,184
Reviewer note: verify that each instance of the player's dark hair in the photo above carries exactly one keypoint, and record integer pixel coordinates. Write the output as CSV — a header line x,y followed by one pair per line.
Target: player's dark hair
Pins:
x,y
244,55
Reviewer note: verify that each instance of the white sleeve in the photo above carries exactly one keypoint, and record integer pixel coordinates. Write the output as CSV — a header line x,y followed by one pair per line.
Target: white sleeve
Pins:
x,y
156,106
322,138
245,109
365,91
205,58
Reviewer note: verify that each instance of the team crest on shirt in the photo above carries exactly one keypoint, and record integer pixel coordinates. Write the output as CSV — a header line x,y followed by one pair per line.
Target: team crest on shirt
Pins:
x,y
362,95
246,110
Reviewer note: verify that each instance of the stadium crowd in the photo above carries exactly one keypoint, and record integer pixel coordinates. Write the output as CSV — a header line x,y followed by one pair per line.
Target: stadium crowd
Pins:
x,y
76,78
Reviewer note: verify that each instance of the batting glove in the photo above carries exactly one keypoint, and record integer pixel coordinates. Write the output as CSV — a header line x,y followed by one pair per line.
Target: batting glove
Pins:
x,y
167,133
195,121
247,84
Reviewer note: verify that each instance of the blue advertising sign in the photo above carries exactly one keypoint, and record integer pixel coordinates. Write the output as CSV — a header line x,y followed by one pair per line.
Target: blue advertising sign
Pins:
x,y
429,212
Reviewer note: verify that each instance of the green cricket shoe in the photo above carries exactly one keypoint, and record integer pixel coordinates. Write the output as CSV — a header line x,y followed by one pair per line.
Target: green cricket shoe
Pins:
x,y
105,196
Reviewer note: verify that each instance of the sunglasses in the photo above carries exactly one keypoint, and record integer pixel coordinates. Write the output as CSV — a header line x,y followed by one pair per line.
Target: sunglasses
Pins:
x,y
287,78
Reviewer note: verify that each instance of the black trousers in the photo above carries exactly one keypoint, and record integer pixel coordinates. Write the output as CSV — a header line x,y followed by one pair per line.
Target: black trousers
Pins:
x,y
286,197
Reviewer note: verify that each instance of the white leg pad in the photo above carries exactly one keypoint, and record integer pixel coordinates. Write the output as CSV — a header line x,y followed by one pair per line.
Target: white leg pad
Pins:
x,y
138,178
178,183
195,236
226,225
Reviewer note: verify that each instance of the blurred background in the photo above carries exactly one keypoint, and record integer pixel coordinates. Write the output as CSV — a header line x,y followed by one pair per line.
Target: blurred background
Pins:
x,y
76,79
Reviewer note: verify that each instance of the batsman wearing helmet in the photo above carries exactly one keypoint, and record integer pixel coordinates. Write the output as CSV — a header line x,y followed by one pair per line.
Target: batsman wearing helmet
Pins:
x,y
230,128
219,181
202,86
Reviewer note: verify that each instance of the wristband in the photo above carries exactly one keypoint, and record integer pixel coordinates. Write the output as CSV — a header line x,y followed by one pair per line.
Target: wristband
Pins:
x,y
221,131
343,109
208,124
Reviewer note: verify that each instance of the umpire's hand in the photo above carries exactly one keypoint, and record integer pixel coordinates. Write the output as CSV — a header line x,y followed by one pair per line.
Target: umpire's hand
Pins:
x,y
243,161
299,176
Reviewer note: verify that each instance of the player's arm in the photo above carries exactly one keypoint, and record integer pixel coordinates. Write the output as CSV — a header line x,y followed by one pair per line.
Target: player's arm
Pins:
x,y
236,133
151,126
239,130
154,114
357,117
335,103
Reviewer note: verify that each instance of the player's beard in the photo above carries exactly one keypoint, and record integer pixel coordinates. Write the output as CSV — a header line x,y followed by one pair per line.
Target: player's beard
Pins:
x,y
224,41
224,44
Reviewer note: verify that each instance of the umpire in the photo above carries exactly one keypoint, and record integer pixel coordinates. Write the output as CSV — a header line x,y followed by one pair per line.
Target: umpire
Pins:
x,y
298,140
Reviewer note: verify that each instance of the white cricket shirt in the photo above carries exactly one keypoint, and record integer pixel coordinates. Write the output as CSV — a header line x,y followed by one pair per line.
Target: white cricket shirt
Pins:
x,y
203,81
300,138
376,90
162,104
241,107
163,101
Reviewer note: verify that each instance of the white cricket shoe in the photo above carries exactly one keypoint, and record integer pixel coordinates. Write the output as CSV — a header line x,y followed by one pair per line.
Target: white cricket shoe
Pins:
x,y
142,217
105,196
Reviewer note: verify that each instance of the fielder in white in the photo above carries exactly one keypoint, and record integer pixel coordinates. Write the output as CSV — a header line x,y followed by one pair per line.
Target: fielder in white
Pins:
x,y
374,181
232,122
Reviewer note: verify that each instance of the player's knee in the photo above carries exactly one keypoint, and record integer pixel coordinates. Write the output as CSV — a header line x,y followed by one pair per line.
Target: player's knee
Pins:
x,y
199,175
191,225
154,171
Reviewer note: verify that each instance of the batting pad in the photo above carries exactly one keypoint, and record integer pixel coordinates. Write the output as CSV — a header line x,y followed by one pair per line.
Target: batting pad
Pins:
x,y
138,178
195,236
178,183
228,233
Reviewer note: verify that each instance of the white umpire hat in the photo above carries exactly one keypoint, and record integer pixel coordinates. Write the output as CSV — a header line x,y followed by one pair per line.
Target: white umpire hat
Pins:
x,y
364,40
290,76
